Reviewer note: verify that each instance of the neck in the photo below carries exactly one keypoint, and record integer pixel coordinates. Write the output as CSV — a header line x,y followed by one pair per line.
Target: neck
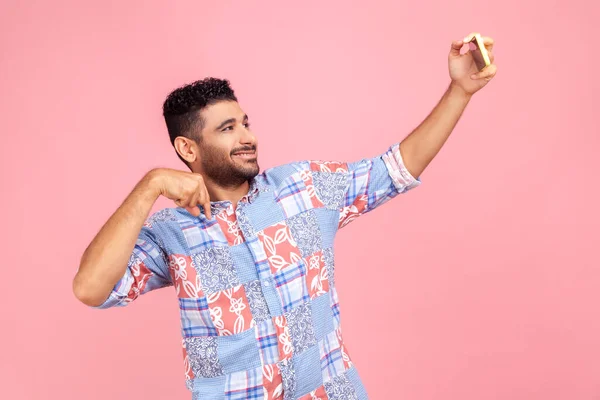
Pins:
x,y
226,193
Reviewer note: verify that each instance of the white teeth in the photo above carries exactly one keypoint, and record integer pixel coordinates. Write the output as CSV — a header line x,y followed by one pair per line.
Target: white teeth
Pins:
x,y
245,155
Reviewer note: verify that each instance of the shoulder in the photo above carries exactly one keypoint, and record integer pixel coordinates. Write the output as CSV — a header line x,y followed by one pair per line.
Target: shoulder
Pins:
x,y
276,176
161,218
167,223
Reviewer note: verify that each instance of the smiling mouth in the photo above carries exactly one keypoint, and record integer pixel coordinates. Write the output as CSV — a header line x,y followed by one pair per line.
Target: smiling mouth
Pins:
x,y
247,155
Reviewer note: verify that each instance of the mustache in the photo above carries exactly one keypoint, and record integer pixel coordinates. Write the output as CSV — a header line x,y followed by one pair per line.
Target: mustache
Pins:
x,y
241,149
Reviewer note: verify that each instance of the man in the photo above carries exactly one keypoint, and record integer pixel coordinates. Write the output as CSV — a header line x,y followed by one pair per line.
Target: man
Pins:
x,y
250,255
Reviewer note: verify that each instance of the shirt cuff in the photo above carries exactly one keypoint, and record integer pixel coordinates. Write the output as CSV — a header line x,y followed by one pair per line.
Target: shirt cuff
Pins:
x,y
112,301
403,180
119,293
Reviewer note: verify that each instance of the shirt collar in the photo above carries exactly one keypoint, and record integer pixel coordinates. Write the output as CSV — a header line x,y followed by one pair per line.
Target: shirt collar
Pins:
x,y
256,187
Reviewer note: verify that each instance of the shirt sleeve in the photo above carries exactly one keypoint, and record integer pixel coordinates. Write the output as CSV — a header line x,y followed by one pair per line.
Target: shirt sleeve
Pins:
x,y
147,270
359,187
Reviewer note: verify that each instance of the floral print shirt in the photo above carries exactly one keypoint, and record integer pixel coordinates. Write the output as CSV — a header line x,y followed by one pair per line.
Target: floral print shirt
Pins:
x,y
260,317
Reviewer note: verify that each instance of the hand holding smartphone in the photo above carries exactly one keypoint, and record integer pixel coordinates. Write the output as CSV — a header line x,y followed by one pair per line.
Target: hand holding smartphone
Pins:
x,y
479,52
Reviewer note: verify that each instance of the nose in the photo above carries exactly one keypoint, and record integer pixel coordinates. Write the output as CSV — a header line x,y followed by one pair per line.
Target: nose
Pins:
x,y
247,137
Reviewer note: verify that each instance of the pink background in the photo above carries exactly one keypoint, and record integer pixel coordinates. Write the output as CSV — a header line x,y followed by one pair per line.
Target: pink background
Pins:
x,y
492,274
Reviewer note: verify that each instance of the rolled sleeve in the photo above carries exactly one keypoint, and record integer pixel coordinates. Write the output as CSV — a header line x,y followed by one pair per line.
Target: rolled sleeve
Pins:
x,y
146,270
401,178
374,181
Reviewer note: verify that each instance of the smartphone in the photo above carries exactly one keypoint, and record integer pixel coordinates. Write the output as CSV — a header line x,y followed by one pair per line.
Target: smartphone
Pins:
x,y
479,52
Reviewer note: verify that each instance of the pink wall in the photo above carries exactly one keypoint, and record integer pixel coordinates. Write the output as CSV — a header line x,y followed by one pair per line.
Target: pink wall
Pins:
x,y
492,274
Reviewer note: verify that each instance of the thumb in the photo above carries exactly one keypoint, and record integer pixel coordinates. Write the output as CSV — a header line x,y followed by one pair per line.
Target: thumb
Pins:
x,y
455,48
195,211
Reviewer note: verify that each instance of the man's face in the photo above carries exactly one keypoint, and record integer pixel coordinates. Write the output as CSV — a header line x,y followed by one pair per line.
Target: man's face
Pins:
x,y
228,149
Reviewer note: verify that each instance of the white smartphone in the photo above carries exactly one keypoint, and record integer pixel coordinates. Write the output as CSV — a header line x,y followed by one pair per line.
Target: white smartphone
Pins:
x,y
479,52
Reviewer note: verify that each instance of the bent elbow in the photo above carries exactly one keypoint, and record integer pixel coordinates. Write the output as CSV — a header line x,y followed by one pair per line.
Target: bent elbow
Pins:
x,y
85,293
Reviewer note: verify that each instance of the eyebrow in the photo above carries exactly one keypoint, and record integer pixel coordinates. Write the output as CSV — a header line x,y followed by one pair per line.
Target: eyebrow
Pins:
x,y
231,120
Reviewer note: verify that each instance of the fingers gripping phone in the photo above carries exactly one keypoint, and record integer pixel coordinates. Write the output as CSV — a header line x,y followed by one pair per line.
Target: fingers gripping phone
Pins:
x,y
479,52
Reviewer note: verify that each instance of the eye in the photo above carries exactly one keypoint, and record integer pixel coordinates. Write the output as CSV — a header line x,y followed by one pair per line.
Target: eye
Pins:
x,y
227,128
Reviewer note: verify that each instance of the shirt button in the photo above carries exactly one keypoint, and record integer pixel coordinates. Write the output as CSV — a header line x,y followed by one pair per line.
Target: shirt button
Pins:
x,y
266,283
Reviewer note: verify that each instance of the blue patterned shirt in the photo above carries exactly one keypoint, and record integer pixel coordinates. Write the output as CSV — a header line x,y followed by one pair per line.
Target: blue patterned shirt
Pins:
x,y
260,317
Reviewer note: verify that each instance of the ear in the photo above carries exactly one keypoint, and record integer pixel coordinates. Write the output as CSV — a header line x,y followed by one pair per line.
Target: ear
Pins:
x,y
187,149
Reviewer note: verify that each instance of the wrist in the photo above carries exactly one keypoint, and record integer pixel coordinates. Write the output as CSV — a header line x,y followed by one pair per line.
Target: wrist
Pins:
x,y
456,91
152,183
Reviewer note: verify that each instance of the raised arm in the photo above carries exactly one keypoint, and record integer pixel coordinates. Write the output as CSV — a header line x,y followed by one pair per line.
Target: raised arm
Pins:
x,y
420,147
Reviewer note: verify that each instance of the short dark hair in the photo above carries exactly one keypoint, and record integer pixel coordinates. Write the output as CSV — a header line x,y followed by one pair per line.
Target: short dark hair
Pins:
x,y
182,107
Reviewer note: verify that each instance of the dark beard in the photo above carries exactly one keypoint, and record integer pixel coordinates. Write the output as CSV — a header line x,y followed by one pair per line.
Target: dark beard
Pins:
x,y
222,170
